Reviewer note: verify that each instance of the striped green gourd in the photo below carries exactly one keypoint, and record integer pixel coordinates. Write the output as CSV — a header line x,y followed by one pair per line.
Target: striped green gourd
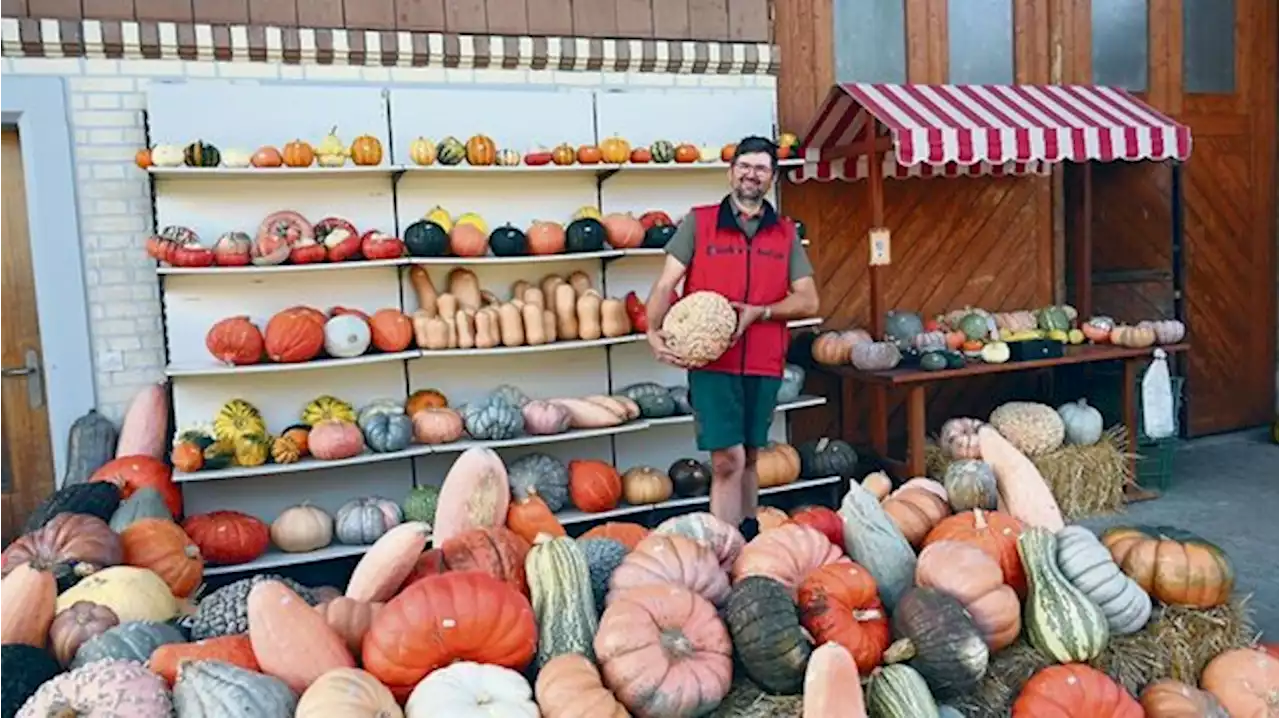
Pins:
x,y
560,591
450,151
898,691
1060,620
662,151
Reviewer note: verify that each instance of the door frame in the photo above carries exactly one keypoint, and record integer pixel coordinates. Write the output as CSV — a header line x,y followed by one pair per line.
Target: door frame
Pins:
x,y
37,107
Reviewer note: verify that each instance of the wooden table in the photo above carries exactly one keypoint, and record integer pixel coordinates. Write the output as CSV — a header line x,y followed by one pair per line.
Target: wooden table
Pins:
x,y
916,380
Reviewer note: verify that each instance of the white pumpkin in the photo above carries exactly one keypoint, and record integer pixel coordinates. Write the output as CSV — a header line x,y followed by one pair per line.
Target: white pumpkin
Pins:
x,y
302,528
1082,422
167,156
708,154
346,336
472,690
235,157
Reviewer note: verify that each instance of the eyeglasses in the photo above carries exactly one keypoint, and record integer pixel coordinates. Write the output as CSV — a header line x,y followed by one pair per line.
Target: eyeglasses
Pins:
x,y
761,170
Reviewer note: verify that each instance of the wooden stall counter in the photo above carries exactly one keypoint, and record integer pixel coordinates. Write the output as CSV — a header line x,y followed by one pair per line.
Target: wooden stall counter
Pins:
x,y
916,380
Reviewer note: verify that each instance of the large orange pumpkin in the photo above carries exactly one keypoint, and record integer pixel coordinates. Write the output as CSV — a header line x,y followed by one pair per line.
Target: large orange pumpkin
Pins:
x,y
1172,565
594,486
994,532
840,602
1245,681
1074,690
131,473
530,516
228,537
235,340
163,547
391,330
294,335
487,621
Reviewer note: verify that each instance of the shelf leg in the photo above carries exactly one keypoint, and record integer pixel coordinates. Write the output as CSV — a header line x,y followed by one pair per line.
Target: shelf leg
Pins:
x,y
879,428
915,431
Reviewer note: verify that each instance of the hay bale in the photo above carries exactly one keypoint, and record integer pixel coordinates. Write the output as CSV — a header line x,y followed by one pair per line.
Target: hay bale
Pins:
x,y
1088,480
746,700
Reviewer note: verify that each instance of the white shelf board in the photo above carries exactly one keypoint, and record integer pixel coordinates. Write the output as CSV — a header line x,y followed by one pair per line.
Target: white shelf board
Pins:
x,y
221,369
527,349
164,269
275,558
184,172
574,516
802,323
572,435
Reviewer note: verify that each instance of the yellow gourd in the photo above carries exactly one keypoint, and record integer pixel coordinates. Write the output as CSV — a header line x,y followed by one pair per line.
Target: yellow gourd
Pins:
x,y
422,152
135,594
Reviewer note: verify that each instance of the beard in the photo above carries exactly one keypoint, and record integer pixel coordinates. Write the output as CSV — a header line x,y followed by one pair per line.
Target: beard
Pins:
x,y
750,194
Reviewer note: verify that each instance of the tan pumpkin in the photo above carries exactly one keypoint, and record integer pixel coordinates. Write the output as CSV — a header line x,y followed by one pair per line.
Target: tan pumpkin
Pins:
x,y
671,559
350,618
831,348
437,426
1245,681
777,464
916,511
569,686
347,693
302,528
291,640
645,485
388,562
1168,698
1133,337
422,152
27,595
786,554
163,547
969,575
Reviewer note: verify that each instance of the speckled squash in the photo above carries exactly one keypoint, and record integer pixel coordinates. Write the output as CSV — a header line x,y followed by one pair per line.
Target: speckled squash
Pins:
x,y
216,689
106,688
560,591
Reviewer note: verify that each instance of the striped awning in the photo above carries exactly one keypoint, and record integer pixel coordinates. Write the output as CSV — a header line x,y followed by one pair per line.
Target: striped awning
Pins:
x,y
970,130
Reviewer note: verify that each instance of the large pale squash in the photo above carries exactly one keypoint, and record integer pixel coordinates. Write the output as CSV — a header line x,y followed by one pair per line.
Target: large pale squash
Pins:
x,y
135,594
27,597
145,428
1023,490
388,562
291,640
831,686
874,541
560,591
475,494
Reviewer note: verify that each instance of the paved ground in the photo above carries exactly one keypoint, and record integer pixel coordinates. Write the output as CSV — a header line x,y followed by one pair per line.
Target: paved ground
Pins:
x,y
1226,489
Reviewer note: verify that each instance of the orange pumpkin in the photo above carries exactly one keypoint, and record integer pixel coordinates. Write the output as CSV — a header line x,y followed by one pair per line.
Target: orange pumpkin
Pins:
x,y
366,150
28,595
349,618
186,457
915,512
163,547
971,345
686,153
726,152
266,156
468,240
840,602
995,532
235,340
498,552
623,230
298,154
530,516
1074,690
627,534
545,238
563,154
1172,565
481,151
425,399
294,335
569,686
290,639
615,150
594,486
589,155
641,155
235,649
1245,681
391,330
131,473
143,158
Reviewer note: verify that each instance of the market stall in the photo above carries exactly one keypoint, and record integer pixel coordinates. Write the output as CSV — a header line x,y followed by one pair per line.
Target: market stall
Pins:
x,y
968,131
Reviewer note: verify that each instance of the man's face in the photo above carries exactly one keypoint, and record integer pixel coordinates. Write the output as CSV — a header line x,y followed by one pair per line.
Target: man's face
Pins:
x,y
751,176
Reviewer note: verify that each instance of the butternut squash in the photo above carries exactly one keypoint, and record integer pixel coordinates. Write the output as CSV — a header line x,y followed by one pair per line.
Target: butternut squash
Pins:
x,y
437,331
488,298
566,312
511,325
613,318
549,325
588,307
580,282
549,284
487,333
452,325
584,414
1021,487
464,285
531,314
519,287
466,327
421,328
446,305
533,296
388,562
424,289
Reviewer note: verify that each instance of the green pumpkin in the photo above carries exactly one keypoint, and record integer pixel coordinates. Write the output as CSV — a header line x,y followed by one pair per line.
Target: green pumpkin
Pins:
x,y
563,604
901,328
450,151
420,504
662,151
657,236
1059,619
426,239
201,154
955,360
767,636
933,361
974,326
585,234
654,400
507,241
96,498
212,689
827,457
1053,319
938,639
542,475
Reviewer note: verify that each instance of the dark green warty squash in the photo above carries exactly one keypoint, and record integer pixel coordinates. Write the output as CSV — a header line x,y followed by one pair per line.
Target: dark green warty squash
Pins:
x,y
420,504
657,236
690,477
507,241
603,558
225,612
91,442
585,234
23,669
767,636
96,498
201,154
939,640
426,239
654,399
898,691
827,457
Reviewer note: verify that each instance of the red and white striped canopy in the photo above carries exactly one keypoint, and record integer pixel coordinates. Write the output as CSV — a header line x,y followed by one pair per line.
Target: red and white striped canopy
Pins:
x,y
969,130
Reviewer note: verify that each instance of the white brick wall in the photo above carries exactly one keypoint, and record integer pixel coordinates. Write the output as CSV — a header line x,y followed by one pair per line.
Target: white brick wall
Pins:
x,y
106,98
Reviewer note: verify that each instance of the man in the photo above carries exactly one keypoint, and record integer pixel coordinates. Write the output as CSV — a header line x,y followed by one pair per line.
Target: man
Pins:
x,y
741,249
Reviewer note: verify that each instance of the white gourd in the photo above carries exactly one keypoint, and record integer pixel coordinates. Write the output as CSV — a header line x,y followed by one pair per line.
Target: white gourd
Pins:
x,y
472,690
346,336
1088,565
1082,422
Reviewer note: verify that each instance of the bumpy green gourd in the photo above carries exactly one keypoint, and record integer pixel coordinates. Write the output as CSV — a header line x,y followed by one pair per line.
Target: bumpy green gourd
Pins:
x,y
1059,619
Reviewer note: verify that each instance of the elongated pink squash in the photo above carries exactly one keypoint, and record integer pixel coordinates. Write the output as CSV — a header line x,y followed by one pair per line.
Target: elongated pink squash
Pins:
x,y
831,687
389,562
1023,491
475,494
291,640
146,423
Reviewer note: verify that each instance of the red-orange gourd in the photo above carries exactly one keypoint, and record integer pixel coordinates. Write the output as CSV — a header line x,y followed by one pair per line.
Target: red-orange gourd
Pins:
x,y
530,516
163,547
623,230
390,330
290,639
545,238
594,486
1074,689
228,537
425,399
295,334
498,552
235,340
235,649
467,240
822,519
840,602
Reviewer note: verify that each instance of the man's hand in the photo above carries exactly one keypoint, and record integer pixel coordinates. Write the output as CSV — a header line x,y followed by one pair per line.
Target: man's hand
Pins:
x,y
748,314
658,343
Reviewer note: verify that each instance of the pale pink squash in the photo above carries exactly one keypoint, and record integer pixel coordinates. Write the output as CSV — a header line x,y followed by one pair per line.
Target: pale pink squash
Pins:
x,y
475,494
350,619
146,423
1023,491
291,640
388,562
831,686
27,600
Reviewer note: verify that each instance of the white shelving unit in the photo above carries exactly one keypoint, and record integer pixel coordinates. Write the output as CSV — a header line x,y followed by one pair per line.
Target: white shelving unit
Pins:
x,y
389,197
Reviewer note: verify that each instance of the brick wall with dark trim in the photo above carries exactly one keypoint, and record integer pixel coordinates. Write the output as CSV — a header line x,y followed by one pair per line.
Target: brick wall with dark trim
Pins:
x,y
724,20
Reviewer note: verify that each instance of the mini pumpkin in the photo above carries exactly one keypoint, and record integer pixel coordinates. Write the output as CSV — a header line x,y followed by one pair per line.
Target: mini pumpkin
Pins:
x,y
481,150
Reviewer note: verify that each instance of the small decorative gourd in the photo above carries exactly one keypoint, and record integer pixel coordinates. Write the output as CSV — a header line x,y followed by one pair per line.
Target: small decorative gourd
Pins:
x,y
560,591
970,484
875,356
1060,620
1083,423
214,689
1088,565
365,520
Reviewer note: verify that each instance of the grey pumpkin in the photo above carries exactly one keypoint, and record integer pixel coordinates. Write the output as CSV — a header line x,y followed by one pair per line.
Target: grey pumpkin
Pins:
x,y
792,382
1088,565
510,394
603,558
827,457
132,641
970,484
767,636
91,442
146,503
364,520
216,689
225,612
493,419
387,432
540,474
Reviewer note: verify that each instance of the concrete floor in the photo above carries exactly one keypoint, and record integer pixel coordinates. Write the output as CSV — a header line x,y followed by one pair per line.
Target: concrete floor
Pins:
x,y
1225,488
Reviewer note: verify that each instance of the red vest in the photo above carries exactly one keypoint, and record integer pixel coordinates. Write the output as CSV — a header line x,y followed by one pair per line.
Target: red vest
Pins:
x,y
754,271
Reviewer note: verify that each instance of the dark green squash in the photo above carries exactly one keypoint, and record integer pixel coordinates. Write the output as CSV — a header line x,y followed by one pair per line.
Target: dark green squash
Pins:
x,y
933,361
690,477
91,442
827,457
146,503
201,154
767,636
96,498
955,360
680,395
450,151
426,239
23,669
585,234
507,241
657,236
654,400
225,612
603,558
939,640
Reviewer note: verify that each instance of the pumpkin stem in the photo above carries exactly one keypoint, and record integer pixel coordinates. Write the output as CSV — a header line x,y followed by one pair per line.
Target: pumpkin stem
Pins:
x,y
901,650
675,644
542,538
979,519
62,709
871,614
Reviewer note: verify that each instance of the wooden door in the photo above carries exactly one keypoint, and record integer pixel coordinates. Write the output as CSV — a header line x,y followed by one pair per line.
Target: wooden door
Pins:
x,y
24,427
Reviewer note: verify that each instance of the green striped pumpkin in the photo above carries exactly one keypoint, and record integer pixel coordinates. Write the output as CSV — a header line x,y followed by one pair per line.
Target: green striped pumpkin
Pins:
x,y
450,151
898,691
560,590
662,151
1060,620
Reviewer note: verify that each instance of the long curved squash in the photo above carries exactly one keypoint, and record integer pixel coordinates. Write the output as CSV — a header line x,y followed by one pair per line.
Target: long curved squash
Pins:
x,y
388,562
475,494
874,541
1023,491
145,428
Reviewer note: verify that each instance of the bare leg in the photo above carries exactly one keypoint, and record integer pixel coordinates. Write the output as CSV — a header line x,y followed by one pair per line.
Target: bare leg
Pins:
x,y
750,484
726,482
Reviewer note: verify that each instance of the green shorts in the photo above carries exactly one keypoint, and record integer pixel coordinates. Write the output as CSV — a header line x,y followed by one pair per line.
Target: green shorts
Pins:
x,y
731,409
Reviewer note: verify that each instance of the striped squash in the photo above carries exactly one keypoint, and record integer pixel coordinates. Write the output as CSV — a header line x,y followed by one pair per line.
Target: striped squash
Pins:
x,y
898,691
563,605
1059,618
1088,565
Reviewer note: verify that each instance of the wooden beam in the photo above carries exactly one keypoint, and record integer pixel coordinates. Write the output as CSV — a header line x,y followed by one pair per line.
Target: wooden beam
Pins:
x,y
883,143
